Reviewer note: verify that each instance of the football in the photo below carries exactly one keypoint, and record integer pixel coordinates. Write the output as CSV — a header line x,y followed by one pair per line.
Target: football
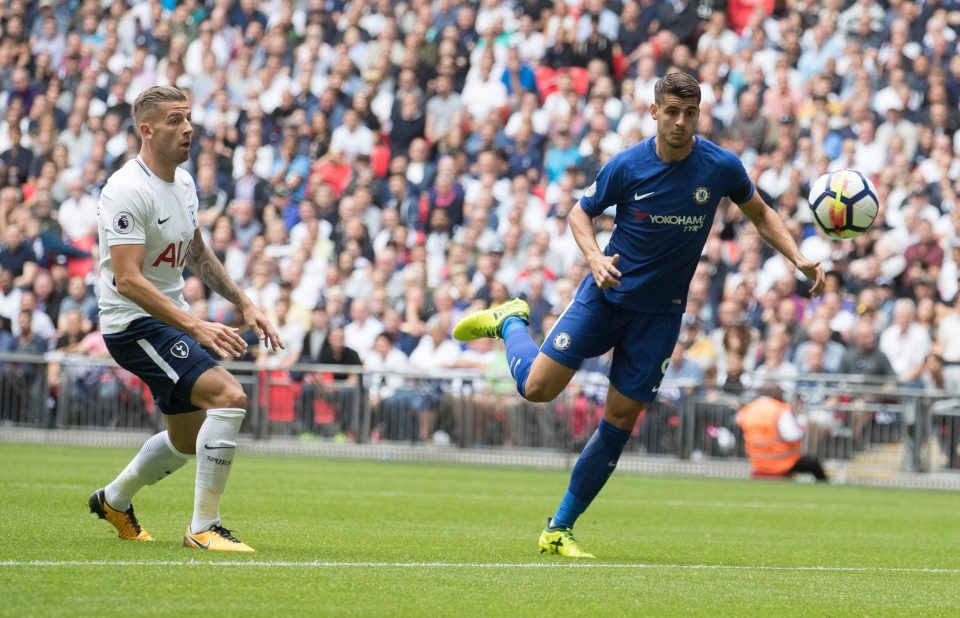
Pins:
x,y
844,203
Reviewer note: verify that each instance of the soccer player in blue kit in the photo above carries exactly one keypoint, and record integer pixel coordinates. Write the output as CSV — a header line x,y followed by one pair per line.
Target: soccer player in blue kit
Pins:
x,y
665,190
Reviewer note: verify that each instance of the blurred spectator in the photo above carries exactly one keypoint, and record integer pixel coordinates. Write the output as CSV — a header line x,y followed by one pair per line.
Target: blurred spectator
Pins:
x,y
397,402
28,342
926,251
9,296
905,343
40,323
775,369
750,125
78,213
80,298
17,257
393,325
865,358
351,138
363,329
483,91
442,110
16,162
820,335
407,123
315,337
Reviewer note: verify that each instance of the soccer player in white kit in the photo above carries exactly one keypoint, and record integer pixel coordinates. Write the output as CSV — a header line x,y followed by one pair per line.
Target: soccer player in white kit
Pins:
x,y
147,220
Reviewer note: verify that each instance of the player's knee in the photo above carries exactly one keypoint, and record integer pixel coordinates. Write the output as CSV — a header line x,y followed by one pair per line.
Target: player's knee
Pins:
x,y
234,397
231,396
539,392
623,417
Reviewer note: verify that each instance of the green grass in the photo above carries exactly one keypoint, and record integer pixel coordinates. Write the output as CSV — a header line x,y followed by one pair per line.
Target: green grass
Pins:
x,y
651,532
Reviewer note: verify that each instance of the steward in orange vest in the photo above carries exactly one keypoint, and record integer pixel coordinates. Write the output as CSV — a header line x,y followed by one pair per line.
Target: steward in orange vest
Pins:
x,y
768,452
773,438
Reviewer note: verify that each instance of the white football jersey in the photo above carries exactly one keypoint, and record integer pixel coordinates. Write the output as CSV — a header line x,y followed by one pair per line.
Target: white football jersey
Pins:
x,y
137,208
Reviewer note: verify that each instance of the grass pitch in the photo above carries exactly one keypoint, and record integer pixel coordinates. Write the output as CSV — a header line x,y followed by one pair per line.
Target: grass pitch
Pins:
x,y
384,539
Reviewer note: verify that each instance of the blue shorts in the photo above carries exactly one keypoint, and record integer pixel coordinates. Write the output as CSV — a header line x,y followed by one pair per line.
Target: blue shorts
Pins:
x,y
168,360
642,342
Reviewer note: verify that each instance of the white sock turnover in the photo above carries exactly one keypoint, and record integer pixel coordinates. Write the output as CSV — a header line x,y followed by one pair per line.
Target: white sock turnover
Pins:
x,y
156,460
216,447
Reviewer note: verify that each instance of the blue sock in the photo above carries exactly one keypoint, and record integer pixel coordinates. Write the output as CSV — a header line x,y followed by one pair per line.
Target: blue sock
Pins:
x,y
595,465
521,350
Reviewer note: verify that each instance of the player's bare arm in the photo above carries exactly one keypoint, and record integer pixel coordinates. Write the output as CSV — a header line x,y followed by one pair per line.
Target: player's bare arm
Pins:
x,y
603,267
127,264
772,230
205,264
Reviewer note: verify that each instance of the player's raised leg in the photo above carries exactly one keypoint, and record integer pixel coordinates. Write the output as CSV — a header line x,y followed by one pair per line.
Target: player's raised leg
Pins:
x,y
216,445
640,360
539,378
594,466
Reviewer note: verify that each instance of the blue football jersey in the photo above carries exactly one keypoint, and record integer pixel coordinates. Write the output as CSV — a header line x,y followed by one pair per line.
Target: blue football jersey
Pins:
x,y
664,212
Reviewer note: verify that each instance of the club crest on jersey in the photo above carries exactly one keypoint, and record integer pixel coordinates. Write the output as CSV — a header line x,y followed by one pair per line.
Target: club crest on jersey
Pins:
x,y
562,341
701,195
180,349
123,222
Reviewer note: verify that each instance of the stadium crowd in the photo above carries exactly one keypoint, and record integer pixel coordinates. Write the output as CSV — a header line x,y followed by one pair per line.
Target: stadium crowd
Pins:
x,y
374,167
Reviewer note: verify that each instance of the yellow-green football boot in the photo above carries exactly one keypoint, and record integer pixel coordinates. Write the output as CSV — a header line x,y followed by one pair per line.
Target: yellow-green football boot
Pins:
x,y
561,541
487,323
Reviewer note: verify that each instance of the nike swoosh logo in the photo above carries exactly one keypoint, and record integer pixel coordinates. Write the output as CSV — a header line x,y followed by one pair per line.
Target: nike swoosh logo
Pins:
x,y
162,221
199,544
213,448
637,197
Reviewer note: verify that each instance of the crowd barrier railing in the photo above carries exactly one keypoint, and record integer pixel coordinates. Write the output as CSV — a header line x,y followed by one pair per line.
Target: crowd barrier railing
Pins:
x,y
849,418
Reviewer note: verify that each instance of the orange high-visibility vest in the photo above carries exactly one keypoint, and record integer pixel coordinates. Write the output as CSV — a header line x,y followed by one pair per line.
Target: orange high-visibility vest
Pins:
x,y
768,452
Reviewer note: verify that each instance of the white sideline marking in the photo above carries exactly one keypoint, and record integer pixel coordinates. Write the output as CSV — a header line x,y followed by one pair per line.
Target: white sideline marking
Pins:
x,y
465,565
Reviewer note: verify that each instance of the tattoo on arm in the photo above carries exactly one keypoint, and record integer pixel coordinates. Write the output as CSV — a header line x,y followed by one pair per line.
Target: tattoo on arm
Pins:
x,y
205,265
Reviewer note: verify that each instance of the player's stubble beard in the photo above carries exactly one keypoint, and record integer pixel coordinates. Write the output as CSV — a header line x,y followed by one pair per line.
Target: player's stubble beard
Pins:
x,y
175,154
671,141
182,156
678,141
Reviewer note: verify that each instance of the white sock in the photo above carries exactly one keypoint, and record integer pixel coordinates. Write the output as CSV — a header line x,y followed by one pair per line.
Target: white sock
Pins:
x,y
156,460
216,446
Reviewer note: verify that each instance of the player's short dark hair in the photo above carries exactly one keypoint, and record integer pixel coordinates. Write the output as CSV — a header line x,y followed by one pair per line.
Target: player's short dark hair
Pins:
x,y
680,85
148,100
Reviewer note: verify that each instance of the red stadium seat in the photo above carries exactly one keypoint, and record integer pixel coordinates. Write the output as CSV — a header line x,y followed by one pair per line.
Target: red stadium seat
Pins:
x,y
81,266
279,393
580,79
546,81
324,412
620,64
380,160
